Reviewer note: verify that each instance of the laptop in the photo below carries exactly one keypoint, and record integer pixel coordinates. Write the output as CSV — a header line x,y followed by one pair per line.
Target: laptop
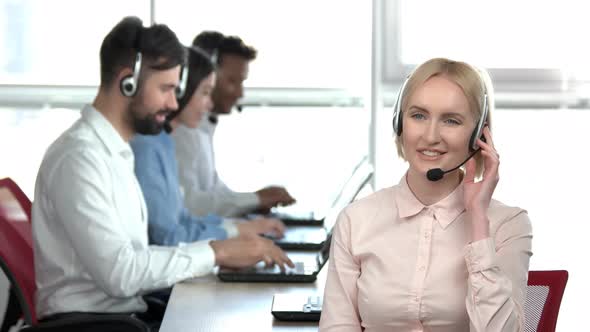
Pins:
x,y
297,307
313,237
305,270
296,215
293,215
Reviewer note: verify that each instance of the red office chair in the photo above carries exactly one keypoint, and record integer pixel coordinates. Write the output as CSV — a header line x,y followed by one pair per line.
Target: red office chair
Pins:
x,y
16,207
14,189
544,293
16,261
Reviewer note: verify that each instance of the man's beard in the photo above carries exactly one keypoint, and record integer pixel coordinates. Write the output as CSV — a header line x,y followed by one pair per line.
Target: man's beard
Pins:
x,y
145,124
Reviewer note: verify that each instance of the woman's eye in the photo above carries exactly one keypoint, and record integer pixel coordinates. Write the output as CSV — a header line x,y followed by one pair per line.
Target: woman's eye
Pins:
x,y
453,122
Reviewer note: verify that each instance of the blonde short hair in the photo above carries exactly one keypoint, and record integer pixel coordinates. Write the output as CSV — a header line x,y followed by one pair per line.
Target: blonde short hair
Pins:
x,y
473,82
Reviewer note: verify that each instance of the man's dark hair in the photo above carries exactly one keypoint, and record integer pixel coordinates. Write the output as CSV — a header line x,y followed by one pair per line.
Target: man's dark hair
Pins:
x,y
218,45
158,45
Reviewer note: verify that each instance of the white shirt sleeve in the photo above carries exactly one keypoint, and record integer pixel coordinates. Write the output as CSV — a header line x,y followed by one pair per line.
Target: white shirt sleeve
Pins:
x,y
81,191
204,192
230,227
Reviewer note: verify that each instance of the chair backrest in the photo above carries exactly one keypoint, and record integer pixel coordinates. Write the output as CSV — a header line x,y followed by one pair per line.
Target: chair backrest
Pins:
x,y
544,292
15,207
16,260
21,197
16,246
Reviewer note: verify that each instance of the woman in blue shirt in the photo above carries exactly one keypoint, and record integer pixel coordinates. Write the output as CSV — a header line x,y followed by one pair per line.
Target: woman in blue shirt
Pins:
x,y
170,223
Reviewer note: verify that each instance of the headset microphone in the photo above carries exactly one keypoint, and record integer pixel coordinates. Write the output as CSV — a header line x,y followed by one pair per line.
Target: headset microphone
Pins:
x,y
167,126
436,174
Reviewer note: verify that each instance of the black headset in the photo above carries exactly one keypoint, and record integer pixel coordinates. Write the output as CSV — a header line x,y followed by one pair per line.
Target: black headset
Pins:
x,y
477,132
181,88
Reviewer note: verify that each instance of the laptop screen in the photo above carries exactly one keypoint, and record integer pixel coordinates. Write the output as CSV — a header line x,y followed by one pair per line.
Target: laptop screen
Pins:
x,y
360,178
306,211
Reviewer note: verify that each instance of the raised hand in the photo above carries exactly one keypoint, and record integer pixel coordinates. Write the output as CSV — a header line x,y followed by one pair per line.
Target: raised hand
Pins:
x,y
478,195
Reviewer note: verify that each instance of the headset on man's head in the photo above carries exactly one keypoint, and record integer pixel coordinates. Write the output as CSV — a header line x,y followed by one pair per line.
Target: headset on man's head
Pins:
x,y
130,83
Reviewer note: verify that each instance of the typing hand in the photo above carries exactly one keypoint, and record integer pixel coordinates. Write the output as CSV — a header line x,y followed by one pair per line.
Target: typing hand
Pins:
x,y
247,250
270,226
273,196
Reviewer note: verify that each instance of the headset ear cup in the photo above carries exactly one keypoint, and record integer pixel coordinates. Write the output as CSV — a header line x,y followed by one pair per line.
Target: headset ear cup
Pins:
x,y
400,124
472,140
397,120
397,128
397,115
478,131
129,83
181,88
128,86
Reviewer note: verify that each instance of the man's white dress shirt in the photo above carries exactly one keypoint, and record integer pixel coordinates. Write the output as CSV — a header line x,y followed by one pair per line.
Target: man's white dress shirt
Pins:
x,y
90,227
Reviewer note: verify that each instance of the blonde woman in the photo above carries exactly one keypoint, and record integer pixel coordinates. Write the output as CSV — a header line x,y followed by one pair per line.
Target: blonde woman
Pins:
x,y
434,252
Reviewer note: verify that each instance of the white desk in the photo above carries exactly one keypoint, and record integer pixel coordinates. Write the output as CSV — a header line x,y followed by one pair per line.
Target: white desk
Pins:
x,y
208,304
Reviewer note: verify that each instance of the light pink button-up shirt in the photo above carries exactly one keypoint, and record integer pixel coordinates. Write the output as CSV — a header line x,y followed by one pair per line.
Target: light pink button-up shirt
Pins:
x,y
398,265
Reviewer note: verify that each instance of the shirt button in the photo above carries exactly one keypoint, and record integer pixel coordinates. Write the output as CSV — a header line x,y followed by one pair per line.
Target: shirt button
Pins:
x,y
422,268
417,299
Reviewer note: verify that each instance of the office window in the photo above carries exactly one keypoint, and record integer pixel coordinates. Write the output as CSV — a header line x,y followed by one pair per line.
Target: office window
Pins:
x,y
518,40
499,34
306,43
57,42
309,150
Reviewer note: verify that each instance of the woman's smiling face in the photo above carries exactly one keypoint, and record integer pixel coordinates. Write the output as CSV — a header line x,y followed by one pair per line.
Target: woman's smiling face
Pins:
x,y
437,126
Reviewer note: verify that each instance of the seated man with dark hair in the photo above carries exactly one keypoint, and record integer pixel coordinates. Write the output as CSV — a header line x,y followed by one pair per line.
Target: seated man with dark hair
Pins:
x,y
89,217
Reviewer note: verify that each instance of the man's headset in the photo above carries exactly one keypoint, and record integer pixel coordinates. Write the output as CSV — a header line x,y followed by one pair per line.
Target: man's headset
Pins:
x,y
477,132
129,83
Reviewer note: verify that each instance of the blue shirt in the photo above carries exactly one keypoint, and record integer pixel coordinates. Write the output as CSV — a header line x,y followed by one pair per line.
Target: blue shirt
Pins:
x,y
169,220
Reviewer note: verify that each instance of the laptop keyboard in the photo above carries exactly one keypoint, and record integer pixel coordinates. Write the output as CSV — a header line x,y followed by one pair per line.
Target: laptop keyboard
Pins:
x,y
298,269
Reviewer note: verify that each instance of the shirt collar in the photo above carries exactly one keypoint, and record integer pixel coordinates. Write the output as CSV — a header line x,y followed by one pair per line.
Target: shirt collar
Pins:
x,y
445,211
105,131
